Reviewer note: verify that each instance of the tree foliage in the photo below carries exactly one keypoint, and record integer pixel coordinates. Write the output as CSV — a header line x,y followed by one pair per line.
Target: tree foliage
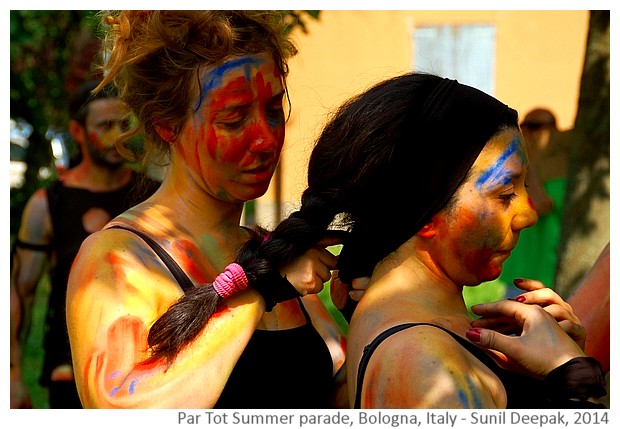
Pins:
x,y
50,54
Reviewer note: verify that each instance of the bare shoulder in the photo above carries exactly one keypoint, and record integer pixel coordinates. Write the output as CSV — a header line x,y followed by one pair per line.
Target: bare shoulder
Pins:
x,y
116,264
36,226
425,367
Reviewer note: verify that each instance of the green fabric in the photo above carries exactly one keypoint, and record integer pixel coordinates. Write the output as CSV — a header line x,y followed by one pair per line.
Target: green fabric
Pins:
x,y
536,254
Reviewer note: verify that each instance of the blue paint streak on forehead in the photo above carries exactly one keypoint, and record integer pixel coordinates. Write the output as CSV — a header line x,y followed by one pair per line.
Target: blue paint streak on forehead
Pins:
x,y
498,174
213,79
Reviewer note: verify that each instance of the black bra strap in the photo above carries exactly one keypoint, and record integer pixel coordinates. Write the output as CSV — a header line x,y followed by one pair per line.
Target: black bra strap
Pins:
x,y
178,273
370,348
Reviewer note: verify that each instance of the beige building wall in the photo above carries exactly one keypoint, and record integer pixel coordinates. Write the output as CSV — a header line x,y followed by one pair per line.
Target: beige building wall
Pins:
x,y
538,62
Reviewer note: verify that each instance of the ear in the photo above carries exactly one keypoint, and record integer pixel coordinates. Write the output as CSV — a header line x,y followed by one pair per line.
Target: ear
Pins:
x,y
166,133
77,131
428,230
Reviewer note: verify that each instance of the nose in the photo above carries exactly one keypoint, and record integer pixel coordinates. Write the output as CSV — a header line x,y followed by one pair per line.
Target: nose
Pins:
x,y
264,138
526,215
114,131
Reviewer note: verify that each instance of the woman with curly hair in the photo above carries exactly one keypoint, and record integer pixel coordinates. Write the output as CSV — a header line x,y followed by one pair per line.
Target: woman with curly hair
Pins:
x,y
208,89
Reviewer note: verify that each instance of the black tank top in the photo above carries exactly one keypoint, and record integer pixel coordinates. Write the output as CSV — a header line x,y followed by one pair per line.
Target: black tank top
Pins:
x,y
289,368
522,391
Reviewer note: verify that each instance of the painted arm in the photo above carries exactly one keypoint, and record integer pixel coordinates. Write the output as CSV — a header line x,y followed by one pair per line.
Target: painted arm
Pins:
x,y
336,342
114,296
591,302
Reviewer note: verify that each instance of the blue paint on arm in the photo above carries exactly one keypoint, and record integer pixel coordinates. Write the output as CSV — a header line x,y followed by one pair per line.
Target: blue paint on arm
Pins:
x,y
132,387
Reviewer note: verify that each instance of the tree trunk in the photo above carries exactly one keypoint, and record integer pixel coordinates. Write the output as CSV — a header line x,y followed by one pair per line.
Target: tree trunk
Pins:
x,y
585,222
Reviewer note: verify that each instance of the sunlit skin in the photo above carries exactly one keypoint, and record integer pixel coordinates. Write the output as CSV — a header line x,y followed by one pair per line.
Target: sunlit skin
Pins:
x,y
466,244
223,156
96,138
594,290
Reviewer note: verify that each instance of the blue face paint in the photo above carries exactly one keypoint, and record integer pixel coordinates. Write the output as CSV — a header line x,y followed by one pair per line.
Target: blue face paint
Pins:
x,y
499,175
213,79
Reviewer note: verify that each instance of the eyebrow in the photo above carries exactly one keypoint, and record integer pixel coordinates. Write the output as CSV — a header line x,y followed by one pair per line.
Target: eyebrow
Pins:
x,y
498,173
213,78
243,105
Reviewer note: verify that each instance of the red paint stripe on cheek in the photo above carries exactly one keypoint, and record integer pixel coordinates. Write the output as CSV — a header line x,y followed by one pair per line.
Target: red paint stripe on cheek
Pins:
x,y
95,141
211,141
479,264
477,260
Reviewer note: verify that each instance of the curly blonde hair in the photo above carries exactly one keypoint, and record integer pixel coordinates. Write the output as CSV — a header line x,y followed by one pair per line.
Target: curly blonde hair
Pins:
x,y
154,58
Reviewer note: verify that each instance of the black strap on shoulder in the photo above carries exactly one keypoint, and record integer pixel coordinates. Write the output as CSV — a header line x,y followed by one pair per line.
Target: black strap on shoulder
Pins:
x,y
370,348
178,273
30,246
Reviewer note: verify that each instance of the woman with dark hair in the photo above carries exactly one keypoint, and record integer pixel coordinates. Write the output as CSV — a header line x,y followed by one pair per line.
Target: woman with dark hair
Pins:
x,y
425,179
208,89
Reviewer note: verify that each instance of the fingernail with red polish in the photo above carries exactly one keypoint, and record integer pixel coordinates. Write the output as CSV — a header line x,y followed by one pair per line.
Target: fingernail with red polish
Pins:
x,y
517,281
520,298
473,334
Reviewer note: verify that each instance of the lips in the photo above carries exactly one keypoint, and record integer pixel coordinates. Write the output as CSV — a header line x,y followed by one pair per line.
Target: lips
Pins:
x,y
503,254
260,174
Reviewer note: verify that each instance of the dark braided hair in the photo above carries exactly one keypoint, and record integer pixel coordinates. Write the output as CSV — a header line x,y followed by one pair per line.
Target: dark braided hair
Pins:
x,y
388,160
261,256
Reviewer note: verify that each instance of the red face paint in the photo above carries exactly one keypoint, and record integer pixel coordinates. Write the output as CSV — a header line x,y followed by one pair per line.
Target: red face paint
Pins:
x,y
236,134
477,234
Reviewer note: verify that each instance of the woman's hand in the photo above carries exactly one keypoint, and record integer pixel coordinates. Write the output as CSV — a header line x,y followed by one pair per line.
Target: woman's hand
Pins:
x,y
537,293
311,270
541,344
341,292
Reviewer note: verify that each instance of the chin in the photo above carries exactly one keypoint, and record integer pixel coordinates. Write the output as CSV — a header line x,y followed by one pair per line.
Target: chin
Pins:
x,y
490,273
255,192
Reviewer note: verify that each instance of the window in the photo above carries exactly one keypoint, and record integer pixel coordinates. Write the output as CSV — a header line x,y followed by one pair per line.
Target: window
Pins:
x,y
462,52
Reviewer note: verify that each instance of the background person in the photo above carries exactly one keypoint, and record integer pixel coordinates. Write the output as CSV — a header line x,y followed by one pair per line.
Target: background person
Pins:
x,y
548,149
54,223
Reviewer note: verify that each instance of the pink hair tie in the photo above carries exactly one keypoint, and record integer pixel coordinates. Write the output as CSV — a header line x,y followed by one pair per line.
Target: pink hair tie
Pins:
x,y
232,280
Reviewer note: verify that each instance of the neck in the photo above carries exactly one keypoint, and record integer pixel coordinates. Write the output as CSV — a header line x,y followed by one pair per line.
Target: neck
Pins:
x,y
196,227
96,178
186,204
411,286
